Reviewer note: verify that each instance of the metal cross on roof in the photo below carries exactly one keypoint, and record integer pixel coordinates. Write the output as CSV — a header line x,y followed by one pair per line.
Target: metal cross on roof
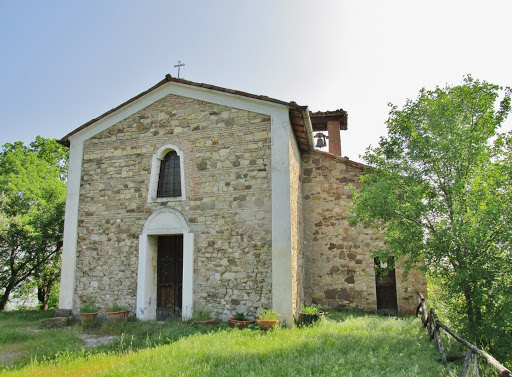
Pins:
x,y
178,66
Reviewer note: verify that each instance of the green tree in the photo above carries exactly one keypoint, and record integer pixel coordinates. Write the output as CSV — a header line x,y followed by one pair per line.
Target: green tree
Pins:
x,y
32,198
440,184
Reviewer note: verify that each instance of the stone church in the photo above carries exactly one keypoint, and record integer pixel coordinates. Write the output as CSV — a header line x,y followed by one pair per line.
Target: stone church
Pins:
x,y
192,195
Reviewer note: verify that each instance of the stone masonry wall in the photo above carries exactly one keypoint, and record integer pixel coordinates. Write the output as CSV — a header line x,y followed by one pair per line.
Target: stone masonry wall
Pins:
x,y
406,288
339,270
228,203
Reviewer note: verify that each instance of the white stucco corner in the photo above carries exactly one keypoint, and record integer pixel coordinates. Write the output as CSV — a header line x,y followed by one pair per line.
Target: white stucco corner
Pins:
x,y
69,248
282,285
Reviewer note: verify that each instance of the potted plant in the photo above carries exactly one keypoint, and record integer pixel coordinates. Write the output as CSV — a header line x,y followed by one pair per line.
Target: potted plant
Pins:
x,y
267,319
202,316
239,320
88,311
116,313
310,314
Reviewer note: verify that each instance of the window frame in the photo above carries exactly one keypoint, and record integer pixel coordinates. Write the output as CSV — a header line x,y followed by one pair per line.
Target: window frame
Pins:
x,y
155,174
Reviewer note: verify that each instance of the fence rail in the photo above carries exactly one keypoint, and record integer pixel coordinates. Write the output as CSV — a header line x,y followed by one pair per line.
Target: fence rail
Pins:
x,y
433,325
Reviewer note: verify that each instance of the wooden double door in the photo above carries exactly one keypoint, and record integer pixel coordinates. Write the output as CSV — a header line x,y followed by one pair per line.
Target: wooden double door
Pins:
x,y
169,276
385,282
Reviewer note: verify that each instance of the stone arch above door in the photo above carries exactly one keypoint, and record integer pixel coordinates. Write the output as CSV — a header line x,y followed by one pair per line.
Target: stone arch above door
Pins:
x,y
164,221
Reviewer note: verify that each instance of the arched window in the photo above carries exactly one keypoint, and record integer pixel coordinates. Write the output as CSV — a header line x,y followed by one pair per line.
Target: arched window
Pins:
x,y
167,182
169,179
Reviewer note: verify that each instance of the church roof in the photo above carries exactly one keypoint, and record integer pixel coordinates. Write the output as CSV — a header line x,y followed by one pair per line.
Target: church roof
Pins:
x,y
296,111
319,119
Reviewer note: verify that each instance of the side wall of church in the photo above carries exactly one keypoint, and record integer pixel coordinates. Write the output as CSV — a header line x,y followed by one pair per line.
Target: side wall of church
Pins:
x,y
339,269
228,203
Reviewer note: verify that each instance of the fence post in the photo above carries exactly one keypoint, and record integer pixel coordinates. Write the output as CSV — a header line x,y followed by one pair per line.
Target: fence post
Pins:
x,y
475,364
467,364
433,324
503,372
439,343
422,308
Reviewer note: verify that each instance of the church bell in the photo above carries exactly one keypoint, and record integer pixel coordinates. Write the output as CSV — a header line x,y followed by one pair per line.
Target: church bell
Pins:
x,y
320,143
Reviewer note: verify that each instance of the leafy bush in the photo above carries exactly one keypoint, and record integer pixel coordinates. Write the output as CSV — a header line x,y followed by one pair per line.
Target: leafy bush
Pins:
x,y
240,317
268,315
88,307
310,309
115,307
202,314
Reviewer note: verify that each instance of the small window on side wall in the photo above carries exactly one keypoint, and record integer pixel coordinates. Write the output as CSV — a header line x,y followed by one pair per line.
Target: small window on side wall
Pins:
x,y
169,179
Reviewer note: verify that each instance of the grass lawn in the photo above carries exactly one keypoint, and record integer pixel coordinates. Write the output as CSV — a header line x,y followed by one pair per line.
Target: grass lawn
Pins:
x,y
22,340
344,344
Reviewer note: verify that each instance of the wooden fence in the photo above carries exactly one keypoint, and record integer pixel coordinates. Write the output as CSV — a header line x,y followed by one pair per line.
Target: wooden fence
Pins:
x,y
433,325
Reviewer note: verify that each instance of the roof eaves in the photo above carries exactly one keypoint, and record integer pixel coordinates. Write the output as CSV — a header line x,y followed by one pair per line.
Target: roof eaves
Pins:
x,y
169,78
65,139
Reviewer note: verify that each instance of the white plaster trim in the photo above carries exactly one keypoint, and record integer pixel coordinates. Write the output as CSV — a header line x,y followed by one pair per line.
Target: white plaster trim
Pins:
x,y
155,173
164,221
69,248
282,284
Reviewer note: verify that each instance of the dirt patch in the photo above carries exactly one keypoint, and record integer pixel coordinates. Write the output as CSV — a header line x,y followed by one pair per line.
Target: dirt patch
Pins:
x,y
33,330
9,356
92,341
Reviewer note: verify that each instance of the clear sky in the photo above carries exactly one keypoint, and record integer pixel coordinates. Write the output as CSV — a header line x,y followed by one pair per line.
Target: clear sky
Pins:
x,y
63,63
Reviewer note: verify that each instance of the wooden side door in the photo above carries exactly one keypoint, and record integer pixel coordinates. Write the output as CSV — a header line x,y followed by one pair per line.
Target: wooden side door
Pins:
x,y
169,276
385,282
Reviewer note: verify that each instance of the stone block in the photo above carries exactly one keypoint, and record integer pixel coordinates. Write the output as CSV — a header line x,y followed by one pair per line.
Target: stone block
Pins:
x,y
62,312
55,322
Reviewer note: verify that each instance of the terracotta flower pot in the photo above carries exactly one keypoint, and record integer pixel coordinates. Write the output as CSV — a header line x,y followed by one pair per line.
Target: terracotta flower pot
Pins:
x,y
266,324
117,316
208,323
238,324
88,317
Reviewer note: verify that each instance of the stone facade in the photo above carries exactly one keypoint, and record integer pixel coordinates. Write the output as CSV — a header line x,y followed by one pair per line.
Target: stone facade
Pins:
x,y
255,230
228,203
339,269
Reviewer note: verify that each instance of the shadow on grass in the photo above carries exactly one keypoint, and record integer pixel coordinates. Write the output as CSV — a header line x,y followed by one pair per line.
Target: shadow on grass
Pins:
x,y
23,341
21,316
348,343
300,352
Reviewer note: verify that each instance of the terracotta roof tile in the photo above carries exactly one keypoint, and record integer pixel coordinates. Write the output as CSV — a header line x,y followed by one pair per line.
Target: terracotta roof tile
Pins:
x,y
324,113
341,159
319,119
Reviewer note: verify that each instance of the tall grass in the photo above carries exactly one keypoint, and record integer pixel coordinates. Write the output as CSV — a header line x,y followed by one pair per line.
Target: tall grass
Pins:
x,y
345,344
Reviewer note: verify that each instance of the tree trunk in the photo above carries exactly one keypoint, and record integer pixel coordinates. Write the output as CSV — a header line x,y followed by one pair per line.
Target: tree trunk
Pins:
x,y
43,295
5,296
474,313
469,306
